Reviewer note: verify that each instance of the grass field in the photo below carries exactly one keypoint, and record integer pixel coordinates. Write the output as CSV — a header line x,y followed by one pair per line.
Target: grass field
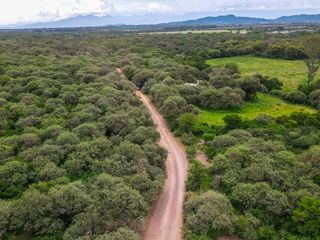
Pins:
x,y
202,31
291,73
265,104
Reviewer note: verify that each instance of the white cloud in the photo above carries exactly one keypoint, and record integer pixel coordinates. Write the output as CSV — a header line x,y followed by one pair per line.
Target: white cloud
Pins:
x,y
130,7
12,11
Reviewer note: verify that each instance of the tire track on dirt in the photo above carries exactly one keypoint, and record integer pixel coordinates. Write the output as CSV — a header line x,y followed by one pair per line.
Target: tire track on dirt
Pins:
x,y
166,218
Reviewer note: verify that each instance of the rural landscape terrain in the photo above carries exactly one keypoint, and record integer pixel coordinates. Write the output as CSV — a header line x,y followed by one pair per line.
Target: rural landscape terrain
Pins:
x,y
198,130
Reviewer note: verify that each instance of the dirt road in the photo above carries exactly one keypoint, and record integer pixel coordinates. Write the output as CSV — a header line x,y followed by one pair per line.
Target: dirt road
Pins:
x,y
165,220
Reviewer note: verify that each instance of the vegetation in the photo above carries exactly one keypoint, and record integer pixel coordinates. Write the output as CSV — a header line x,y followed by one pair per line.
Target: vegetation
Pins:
x,y
312,50
266,172
291,72
199,31
265,104
79,157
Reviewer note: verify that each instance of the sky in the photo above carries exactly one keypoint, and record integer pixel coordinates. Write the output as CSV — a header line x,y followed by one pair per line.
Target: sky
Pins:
x,y
27,11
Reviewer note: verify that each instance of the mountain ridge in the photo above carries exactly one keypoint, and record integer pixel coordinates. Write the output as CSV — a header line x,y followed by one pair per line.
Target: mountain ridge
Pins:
x,y
108,20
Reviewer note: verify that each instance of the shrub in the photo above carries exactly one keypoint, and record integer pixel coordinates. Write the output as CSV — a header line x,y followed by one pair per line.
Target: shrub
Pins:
x,y
296,97
232,68
187,122
233,122
309,88
209,210
306,217
269,83
277,93
251,86
314,99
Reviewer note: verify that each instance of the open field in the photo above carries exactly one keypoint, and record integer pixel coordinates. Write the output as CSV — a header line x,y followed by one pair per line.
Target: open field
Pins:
x,y
291,73
265,104
201,31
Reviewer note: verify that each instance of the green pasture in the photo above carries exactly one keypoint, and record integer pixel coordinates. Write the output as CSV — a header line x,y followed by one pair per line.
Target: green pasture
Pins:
x,y
265,104
291,73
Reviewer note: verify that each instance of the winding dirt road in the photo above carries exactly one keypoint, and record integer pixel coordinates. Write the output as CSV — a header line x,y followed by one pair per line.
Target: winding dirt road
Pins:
x,y
165,220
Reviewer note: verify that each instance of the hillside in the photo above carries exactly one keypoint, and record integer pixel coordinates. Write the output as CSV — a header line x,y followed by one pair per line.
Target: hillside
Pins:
x,y
234,20
221,20
158,20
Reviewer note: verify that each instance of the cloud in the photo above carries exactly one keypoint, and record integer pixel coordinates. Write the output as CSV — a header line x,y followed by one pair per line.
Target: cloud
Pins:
x,y
12,11
132,7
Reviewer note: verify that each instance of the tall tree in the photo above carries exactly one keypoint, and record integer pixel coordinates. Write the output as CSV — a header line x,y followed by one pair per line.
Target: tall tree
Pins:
x,y
312,50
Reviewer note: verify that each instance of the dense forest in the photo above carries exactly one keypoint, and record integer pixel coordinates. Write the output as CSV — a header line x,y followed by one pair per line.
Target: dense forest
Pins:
x,y
79,157
263,178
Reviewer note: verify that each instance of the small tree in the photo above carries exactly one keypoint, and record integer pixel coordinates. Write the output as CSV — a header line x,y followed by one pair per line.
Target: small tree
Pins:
x,y
187,122
306,217
251,86
232,122
312,50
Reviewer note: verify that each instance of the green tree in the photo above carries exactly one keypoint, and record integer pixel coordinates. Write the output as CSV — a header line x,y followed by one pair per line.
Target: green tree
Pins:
x,y
251,86
296,97
5,213
312,50
306,217
209,211
174,107
314,99
187,122
142,77
233,122
259,196
199,178
34,213
120,234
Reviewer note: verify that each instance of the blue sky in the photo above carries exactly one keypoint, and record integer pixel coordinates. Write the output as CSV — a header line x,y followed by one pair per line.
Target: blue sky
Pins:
x,y
17,11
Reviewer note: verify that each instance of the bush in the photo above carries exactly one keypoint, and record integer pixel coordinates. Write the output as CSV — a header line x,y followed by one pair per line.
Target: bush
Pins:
x,y
296,97
142,77
309,88
232,68
233,122
270,83
209,211
187,122
225,98
314,99
306,217
251,86
277,93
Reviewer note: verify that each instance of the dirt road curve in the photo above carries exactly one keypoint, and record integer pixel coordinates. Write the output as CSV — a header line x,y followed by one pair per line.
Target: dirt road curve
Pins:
x,y
165,220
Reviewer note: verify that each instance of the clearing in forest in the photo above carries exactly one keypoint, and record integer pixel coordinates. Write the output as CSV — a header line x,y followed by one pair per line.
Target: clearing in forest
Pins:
x,y
291,73
265,104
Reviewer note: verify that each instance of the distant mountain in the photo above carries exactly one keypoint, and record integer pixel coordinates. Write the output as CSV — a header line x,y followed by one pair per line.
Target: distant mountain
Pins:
x,y
176,21
78,21
221,20
304,18
234,20
98,21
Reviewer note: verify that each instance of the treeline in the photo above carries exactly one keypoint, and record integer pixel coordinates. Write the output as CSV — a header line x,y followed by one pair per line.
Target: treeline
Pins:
x,y
78,152
260,48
